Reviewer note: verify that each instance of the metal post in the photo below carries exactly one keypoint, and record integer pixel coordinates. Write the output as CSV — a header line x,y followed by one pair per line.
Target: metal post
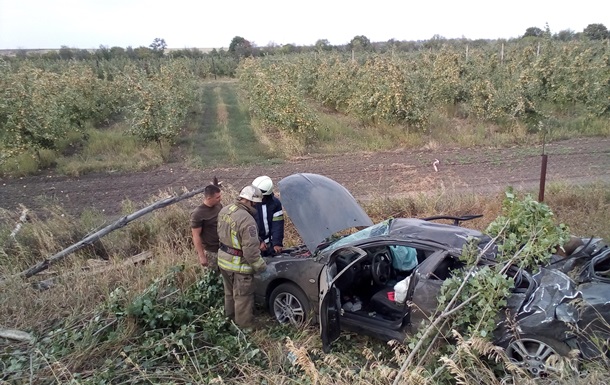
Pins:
x,y
543,170
542,178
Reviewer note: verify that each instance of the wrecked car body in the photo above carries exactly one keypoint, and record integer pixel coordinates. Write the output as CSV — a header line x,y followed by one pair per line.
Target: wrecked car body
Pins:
x,y
347,282
589,262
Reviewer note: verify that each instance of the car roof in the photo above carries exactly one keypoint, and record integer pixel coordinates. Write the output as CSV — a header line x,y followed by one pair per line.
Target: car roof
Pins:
x,y
447,236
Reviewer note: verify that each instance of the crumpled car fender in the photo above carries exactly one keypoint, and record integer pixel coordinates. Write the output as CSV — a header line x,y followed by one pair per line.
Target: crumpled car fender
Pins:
x,y
551,300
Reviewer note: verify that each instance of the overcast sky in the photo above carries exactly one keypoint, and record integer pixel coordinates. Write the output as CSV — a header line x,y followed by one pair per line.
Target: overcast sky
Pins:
x,y
205,24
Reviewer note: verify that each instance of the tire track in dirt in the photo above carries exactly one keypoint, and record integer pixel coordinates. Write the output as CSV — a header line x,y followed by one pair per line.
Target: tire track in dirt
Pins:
x,y
381,174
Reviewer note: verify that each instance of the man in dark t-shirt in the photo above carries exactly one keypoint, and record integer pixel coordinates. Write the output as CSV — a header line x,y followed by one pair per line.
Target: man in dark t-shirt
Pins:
x,y
204,220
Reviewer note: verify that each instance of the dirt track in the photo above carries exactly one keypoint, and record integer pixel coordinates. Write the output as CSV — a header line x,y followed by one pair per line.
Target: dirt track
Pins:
x,y
392,173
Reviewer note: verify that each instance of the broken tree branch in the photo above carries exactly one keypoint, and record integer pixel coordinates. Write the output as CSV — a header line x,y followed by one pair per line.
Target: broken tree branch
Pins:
x,y
22,219
41,266
16,335
136,259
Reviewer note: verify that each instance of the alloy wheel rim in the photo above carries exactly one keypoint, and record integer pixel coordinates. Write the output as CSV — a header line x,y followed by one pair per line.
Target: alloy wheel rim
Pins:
x,y
288,308
531,355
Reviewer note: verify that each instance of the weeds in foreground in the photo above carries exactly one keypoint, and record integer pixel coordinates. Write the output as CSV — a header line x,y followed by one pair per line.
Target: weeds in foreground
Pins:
x,y
162,321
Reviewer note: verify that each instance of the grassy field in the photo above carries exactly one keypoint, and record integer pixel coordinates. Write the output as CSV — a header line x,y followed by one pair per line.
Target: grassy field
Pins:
x,y
222,133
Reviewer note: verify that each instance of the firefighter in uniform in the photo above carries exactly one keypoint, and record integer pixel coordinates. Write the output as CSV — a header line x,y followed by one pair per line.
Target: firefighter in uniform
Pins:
x,y
269,218
239,256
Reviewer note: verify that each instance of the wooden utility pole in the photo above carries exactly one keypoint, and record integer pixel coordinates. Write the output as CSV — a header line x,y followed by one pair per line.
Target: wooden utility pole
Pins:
x,y
41,266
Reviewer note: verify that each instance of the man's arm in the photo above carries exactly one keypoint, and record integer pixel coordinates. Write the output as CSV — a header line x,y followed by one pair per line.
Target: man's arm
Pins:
x,y
203,259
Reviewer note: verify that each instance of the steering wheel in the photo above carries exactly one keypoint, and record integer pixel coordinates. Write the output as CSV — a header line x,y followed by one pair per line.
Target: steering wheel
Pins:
x,y
381,268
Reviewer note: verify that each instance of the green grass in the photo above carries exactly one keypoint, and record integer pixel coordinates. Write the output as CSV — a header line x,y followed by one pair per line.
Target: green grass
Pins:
x,y
27,163
340,134
222,134
95,150
110,150
564,123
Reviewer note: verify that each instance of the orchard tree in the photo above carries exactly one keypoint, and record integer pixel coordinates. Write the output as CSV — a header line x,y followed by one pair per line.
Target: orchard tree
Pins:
x,y
240,47
31,113
596,32
533,32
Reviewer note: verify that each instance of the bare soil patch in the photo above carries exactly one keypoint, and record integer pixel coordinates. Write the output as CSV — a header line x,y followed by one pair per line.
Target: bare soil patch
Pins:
x,y
387,174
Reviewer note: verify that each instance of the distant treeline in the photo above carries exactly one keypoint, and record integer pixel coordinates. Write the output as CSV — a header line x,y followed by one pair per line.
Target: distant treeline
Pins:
x,y
241,47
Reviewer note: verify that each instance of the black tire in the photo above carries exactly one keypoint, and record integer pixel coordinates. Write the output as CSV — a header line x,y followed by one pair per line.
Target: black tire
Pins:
x,y
531,353
288,304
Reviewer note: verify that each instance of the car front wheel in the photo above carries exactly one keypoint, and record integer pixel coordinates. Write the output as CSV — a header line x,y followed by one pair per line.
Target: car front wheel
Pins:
x,y
288,304
532,354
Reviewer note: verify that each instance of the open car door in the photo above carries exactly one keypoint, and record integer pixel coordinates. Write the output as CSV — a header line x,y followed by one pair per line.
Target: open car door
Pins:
x,y
330,295
424,285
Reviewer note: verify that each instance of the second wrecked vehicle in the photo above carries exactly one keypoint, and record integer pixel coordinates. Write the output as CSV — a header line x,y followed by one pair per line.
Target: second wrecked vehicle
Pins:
x,y
347,282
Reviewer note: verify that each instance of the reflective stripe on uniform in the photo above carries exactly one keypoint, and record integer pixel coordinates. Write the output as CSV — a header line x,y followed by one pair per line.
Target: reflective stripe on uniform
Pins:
x,y
227,218
259,262
236,265
234,239
278,216
264,218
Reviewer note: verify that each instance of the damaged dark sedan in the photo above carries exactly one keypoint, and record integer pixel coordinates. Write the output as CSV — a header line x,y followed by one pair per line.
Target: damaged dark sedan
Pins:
x,y
348,282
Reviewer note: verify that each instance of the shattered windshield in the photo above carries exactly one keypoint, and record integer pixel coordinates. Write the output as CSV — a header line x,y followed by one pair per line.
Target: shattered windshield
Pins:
x,y
377,230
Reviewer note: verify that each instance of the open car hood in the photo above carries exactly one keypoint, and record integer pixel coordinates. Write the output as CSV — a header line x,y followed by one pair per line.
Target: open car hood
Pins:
x,y
319,207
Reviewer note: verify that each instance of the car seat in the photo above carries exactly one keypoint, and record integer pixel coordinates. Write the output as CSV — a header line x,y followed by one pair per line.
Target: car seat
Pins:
x,y
382,304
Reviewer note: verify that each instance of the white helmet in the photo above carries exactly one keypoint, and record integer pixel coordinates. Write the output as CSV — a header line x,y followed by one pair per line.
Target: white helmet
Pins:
x,y
264,183
252,194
